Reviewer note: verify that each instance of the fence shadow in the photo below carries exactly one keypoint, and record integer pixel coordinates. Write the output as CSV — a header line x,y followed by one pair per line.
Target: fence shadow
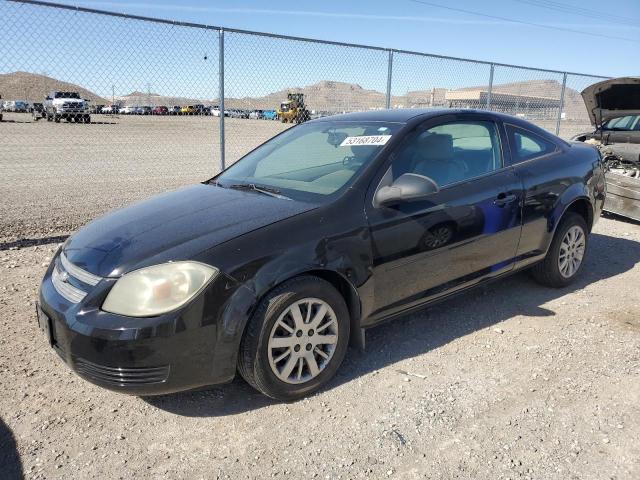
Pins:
x,y
423,331
10,463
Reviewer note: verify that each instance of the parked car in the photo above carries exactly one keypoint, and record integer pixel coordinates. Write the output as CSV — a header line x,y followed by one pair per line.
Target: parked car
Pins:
x,y
175,110
274,266
1,107
66,106
215,111
614,110
16,106
187,110
161,110
96,109
256,114
237,113
144,110
110,109
269,114
128,110
200,109
37,111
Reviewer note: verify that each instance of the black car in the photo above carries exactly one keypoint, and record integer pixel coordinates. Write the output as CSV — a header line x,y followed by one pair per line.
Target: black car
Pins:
x,y
200,109
273,267
37,111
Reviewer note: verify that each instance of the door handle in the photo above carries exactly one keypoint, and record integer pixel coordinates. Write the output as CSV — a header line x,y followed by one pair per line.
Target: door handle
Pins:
x,y
504,199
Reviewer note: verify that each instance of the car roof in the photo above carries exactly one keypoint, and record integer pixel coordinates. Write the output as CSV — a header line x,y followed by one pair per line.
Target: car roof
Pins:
x,y
404,115
394,115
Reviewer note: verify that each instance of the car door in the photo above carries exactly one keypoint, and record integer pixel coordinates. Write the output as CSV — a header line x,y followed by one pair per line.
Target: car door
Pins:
x,y
537,158
464,232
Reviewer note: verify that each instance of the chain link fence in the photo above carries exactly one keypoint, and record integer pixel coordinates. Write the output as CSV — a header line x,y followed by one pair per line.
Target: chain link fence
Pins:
x,y
172,102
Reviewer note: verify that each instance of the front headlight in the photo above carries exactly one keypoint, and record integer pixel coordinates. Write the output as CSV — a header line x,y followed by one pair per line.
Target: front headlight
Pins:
x,y
158,289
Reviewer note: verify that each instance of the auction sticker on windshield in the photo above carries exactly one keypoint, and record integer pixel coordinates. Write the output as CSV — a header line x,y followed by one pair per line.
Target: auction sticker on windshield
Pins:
x,y
365,140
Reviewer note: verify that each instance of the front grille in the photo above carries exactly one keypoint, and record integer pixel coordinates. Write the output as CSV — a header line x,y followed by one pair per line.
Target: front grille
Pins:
x,y
65,270
79,273
118,376
73,106
59,279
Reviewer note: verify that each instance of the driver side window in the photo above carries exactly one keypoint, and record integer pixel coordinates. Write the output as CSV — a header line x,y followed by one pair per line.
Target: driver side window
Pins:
x,y
451,152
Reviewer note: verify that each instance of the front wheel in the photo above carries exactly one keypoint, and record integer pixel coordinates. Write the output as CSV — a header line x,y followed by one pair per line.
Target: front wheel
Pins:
x,y
565,257
296,339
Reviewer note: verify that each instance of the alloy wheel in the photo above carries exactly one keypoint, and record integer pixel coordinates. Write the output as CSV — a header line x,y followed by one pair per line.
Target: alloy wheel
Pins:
x,y
572,250
303,340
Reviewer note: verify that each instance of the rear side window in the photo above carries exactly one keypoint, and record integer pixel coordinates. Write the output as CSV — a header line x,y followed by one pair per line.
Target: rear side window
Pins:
x,y
526,145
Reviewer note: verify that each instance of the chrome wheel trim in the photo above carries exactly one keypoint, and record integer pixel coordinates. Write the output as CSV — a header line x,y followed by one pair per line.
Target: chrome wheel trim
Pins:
x,y
572,250
303,340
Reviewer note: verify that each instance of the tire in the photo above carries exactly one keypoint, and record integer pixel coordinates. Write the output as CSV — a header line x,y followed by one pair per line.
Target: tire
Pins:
x,y
549,272
258,357
56,118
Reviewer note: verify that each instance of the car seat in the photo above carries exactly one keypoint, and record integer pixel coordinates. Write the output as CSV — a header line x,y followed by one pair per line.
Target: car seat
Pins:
x,y
434,158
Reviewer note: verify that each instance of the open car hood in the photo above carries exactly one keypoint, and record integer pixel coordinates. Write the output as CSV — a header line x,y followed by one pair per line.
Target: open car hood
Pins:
x,y
612,98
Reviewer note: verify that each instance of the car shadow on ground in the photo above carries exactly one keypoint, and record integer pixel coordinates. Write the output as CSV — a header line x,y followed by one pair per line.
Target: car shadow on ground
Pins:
x,y
620,218
420,332
10,464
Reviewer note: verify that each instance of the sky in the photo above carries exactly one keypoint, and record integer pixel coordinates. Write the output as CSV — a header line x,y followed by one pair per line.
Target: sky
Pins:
x,y
568,35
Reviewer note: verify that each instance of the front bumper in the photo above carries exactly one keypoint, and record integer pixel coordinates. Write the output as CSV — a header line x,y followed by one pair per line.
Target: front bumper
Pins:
x,y
194,346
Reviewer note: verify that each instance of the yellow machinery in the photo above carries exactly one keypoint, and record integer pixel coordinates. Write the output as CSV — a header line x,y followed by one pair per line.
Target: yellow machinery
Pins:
x,y
293,110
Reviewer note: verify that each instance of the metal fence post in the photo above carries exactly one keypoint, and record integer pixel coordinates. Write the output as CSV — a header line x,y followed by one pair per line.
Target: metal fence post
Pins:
x,y
488,107
221,94
564,86
389,73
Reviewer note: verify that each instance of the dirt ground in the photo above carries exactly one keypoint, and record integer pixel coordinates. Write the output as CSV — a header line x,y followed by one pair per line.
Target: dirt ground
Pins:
x,y
56,177
512,380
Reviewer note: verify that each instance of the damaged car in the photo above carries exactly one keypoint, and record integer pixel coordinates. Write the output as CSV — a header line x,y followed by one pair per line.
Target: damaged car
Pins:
x,y
614,110
273,267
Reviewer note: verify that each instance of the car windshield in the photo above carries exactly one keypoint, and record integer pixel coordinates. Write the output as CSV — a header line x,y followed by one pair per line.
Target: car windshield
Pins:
x,y
313,160
67,95
626,123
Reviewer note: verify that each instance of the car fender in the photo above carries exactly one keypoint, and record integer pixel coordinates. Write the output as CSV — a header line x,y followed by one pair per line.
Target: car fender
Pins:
x,y
275,271
576,192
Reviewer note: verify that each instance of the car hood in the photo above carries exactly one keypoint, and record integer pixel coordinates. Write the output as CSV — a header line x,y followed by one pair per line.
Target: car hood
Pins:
x,y
173,226
612,98
60,101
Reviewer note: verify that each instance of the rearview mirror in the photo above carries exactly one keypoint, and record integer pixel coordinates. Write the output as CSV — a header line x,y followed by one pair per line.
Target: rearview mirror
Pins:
x,y
336,138
407,187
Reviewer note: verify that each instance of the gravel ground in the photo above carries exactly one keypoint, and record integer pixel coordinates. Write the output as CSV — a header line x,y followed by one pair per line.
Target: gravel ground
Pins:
x,y
56,177
512,380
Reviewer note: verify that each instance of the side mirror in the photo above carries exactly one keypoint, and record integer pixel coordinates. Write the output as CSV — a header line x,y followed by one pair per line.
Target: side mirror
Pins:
x,y
407,187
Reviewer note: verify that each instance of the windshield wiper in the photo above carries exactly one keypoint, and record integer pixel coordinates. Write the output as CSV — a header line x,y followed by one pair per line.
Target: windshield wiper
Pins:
x,y
272,192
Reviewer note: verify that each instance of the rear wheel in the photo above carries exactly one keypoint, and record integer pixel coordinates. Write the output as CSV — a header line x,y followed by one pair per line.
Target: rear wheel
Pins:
x,y
296,339
565,257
